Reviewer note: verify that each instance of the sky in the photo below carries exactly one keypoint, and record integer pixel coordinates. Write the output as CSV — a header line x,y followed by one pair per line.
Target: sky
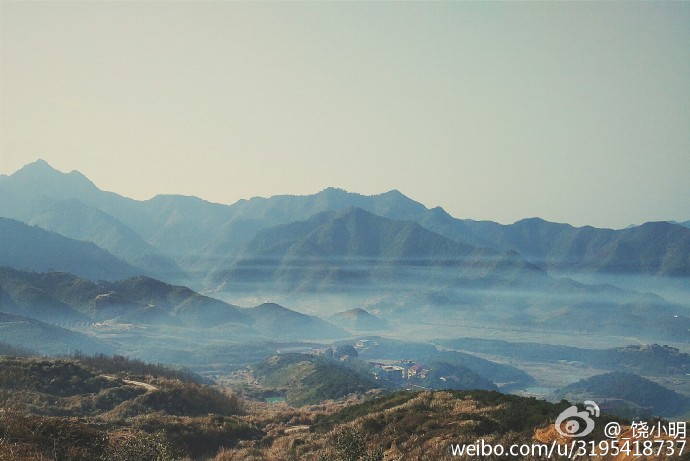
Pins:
x,y
575,112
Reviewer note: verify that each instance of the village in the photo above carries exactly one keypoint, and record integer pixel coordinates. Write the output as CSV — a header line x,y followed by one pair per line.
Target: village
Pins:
x,y
396,372
393,371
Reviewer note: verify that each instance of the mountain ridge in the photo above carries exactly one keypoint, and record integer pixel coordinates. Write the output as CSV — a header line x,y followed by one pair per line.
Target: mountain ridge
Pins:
x,y
191,230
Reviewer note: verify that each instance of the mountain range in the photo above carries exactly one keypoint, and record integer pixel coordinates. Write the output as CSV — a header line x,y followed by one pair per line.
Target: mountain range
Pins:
x,y
338,249
86,270
409,262
168,231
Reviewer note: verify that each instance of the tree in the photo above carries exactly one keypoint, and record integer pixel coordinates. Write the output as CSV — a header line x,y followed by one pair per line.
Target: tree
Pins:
x,y
346,349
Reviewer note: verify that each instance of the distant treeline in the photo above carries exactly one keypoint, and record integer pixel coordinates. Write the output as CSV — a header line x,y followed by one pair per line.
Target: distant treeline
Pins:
x,y
115,364
14,351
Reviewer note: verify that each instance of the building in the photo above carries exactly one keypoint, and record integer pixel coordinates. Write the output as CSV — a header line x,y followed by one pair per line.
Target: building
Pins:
x,y
417,371
362,343
392,373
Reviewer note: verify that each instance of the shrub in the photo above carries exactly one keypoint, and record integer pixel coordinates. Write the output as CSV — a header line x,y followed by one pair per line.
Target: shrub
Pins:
x,y
139,446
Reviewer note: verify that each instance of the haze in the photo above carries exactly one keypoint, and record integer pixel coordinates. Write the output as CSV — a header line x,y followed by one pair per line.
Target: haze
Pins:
x,y
574,112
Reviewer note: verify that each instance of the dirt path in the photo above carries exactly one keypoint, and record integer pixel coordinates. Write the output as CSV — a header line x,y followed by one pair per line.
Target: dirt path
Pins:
x,y
147,386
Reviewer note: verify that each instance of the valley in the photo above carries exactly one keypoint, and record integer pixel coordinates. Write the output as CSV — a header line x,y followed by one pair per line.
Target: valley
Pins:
x,y
344,230
322,314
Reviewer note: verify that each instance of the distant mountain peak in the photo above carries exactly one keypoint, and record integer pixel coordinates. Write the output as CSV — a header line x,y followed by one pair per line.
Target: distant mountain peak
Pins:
x,y
659,225
532,220
78,174
39,166
394,192
358,319
40,163
331,190
272,307
440,212
41,172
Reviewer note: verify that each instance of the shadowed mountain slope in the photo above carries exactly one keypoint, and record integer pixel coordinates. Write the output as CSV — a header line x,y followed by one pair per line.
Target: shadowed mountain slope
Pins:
x,y
32,248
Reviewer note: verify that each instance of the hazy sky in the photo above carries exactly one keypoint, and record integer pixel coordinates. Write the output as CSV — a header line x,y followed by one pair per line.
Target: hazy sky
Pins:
x,y
574,112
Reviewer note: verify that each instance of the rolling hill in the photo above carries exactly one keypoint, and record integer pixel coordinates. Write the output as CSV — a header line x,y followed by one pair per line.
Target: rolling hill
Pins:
x,y
64,298
73,409
358,320
274,320
628,395
139,299
28,333
308,379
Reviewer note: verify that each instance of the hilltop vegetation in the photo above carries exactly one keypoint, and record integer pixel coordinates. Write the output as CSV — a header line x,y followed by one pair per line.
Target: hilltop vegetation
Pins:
x,y
99,385
409,426
128,420
135,368
14,351
122,416
308,379
502,412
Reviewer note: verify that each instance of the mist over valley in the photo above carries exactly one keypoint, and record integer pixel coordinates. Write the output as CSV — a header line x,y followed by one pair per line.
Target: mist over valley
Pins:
x,y
331,297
